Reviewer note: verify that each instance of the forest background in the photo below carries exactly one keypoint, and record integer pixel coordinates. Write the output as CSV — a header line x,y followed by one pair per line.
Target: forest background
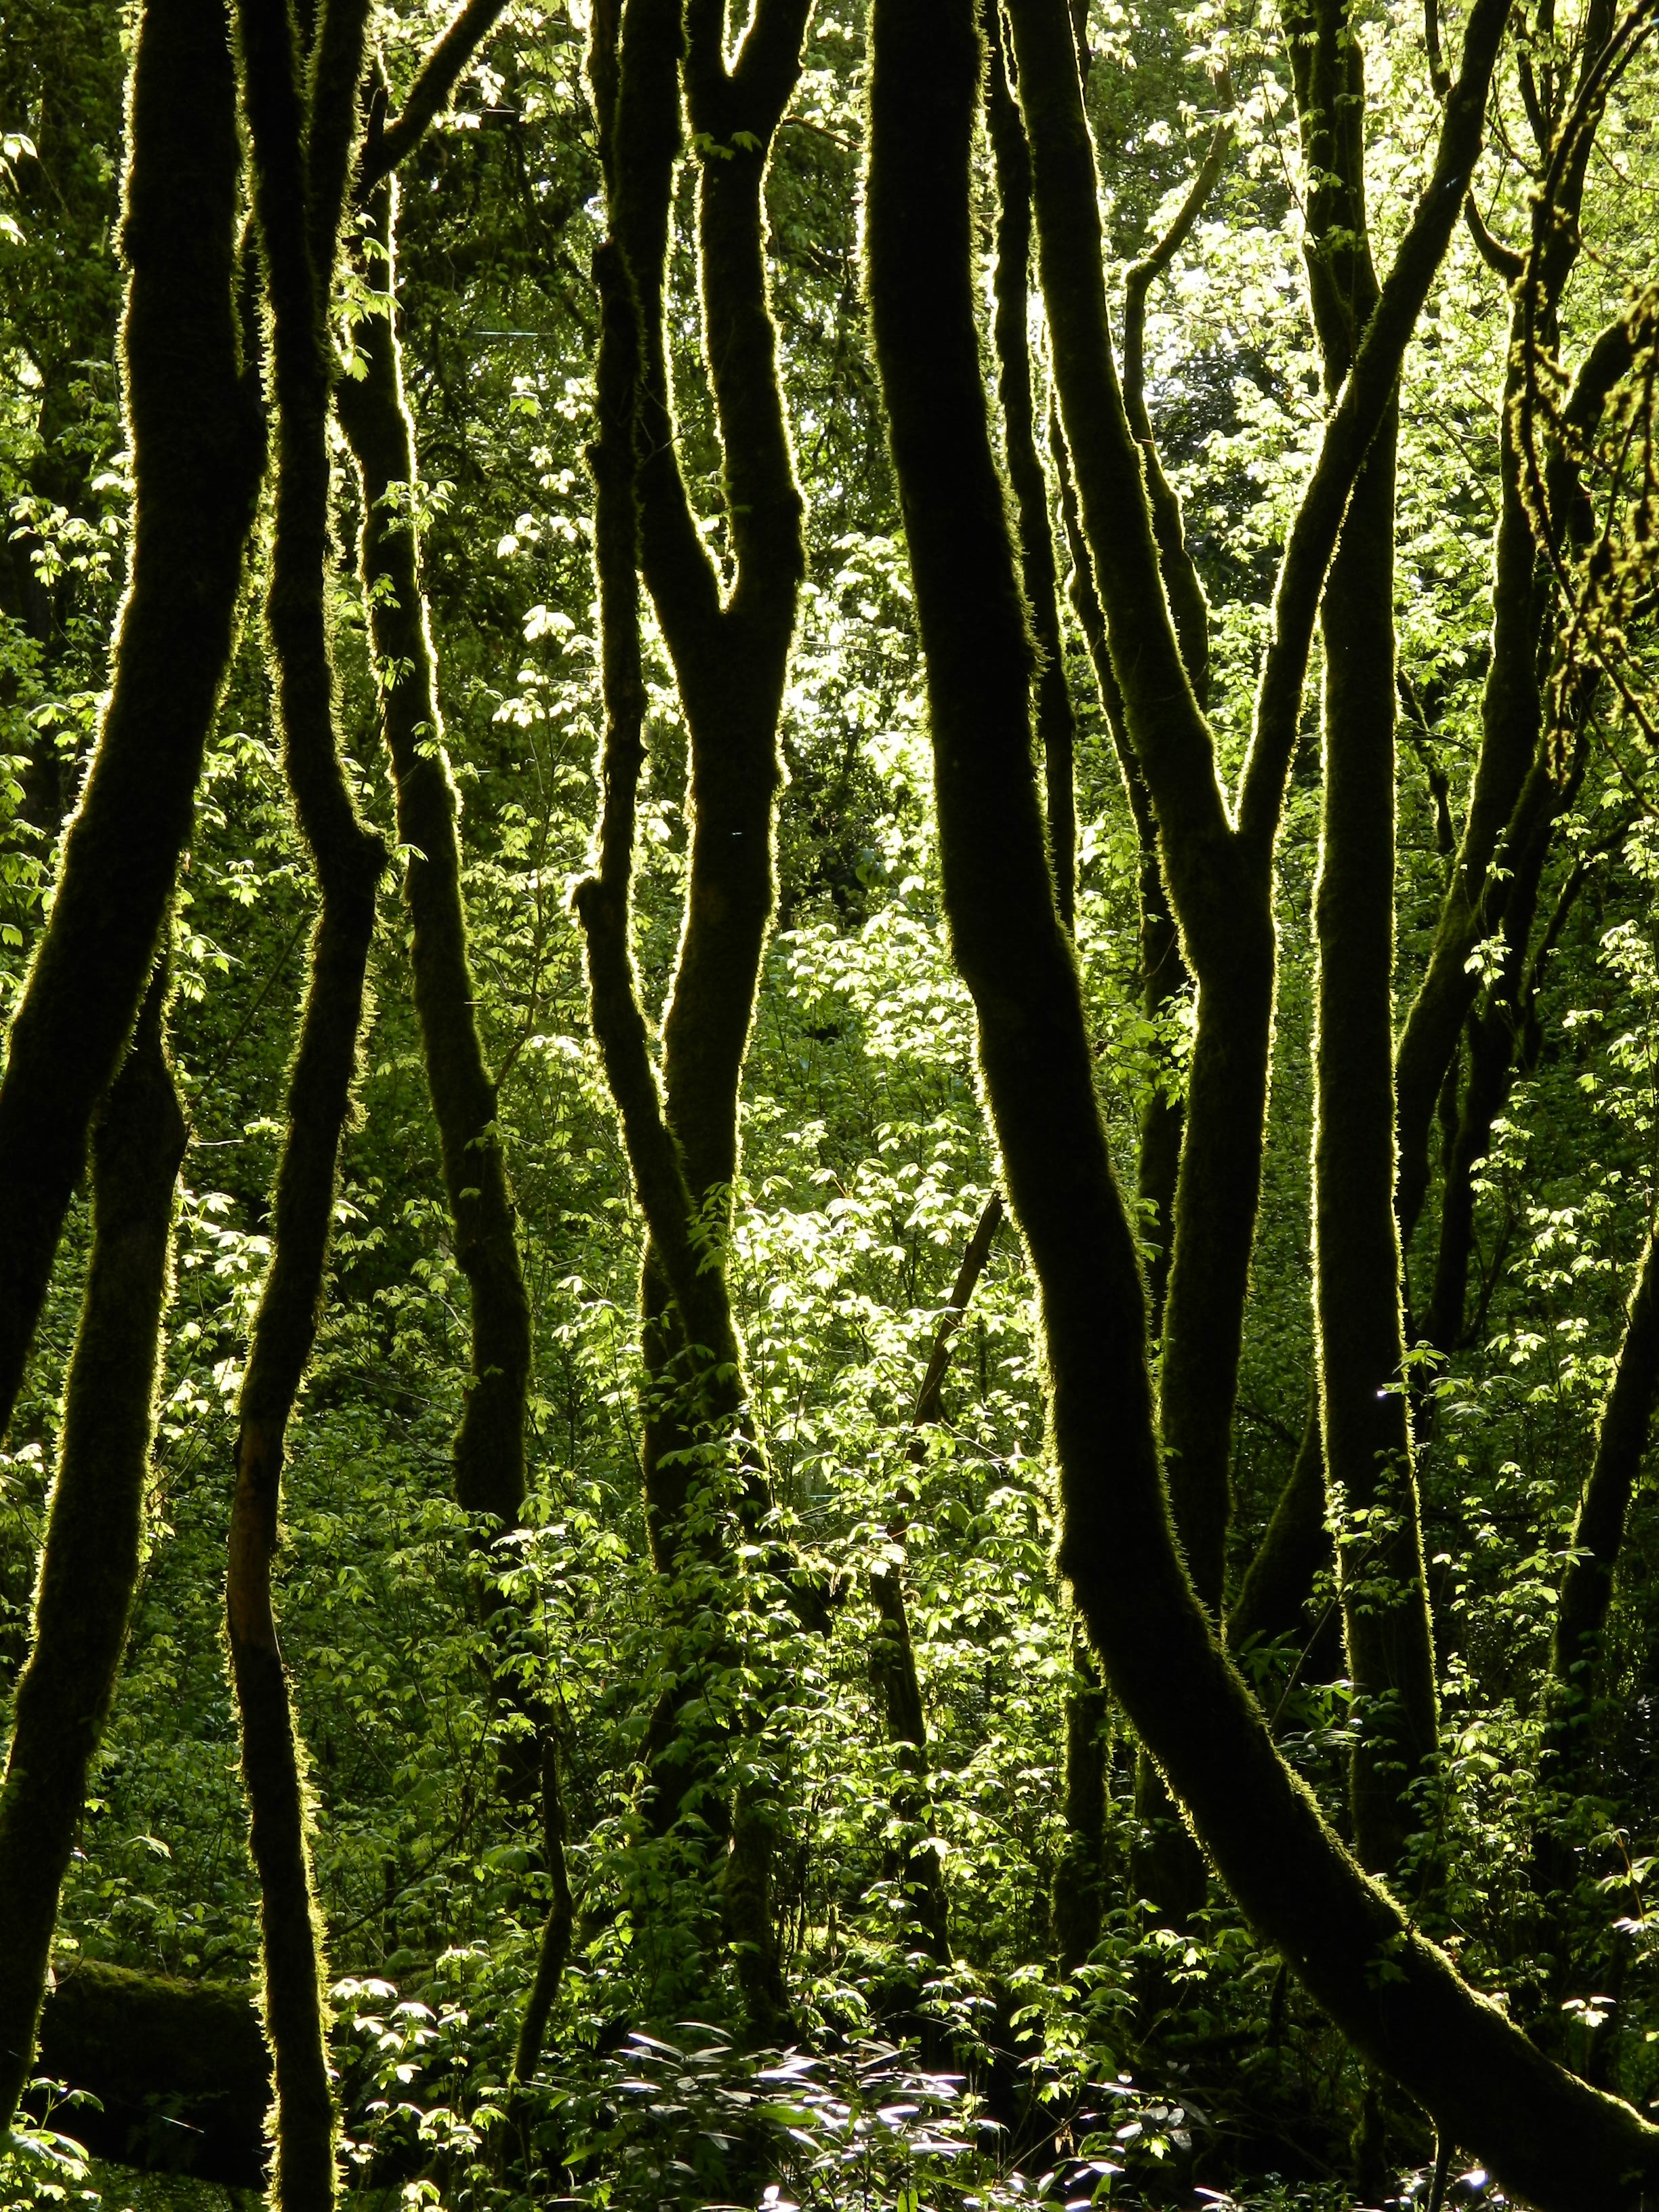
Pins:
x,y
996,1981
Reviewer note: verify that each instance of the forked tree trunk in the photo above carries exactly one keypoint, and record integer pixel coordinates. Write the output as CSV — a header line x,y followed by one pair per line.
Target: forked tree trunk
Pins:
x,y
730,652
707,1382
1219,870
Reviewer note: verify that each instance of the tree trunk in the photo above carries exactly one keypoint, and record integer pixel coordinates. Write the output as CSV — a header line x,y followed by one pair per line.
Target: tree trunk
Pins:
x,y
1397,1998
94,1526
301,155
489,1445
198,451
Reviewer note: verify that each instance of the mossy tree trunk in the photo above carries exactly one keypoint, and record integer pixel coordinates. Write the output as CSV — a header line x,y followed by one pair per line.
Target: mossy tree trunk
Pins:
x,y
302,125
197,435
701,1390
1218,863
729,644
1495,827
1398,1999
489,1445
1364,1414
95,1525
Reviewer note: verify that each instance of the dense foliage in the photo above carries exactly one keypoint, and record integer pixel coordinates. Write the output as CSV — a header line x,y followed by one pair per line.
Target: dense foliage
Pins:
x,y
438,1665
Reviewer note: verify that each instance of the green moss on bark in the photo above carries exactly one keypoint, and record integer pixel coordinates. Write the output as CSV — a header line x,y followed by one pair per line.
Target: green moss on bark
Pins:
x,y
1396,1995
197,437
299,178
94,1526
489,1447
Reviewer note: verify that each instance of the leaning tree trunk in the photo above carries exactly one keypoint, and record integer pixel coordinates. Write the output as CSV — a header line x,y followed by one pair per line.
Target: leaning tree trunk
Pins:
x,y
195,425
94,1526
1397,1998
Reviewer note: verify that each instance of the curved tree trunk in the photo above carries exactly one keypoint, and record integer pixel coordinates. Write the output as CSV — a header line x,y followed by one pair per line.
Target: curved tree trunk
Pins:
x,y
1397,1998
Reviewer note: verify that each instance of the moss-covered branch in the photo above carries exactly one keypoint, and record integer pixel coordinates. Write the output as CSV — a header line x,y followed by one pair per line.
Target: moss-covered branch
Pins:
x,y
1511,726
435,79
178,2070
94,1526
197,437
1188,606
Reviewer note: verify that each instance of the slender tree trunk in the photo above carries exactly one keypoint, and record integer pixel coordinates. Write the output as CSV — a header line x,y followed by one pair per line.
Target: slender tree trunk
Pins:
x,y
194,422
1164,980
900,1686
1598,1530
1056,724
555,1953
1295,1546
94,1526
1080,1877
489,1445
302,135
1364,1414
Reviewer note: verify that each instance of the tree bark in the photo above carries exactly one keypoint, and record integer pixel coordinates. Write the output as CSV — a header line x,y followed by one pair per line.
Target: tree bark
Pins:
x,y
1394,1995
302,138
489,1444
94,1527
195,425
1364,1414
